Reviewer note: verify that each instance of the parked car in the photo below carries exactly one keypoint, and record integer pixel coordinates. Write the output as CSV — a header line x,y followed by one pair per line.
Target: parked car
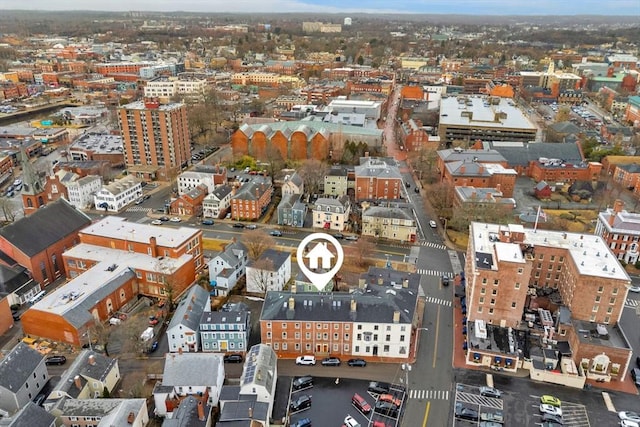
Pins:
x,y
378,387
207,222
550,409
153,347
550,400
339,236
233,358
175,219
357,362
39,400
389,398
634,289
140,201
304,422
627,423
303,382
490,424
275,233
238,225
490,392
164,218
494,416
330,361
380,424
552,418
55,360
300,403
156,222
386,408
466,413
635,376
416,190
433,224
629,416
352,238
361,404
251,227
305,360
444,280
349,421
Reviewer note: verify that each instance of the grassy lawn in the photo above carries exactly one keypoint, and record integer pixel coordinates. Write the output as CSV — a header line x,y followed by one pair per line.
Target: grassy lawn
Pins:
x,y
213,244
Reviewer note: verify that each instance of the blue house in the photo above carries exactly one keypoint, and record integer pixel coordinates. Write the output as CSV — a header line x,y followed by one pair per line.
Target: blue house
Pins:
x,y
225,331
291,211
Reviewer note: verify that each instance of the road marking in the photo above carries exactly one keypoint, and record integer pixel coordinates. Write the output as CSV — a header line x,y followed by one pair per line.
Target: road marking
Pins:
x,y
429,394
490,380
426,414
440,301
631,303
428,272
433,245
435,347
608,402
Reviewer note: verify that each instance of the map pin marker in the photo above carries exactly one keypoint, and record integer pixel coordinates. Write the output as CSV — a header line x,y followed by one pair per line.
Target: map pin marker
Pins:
x,y
320,256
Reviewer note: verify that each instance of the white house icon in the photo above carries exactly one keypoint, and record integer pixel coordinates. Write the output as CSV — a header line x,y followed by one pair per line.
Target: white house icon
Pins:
x,y
320,251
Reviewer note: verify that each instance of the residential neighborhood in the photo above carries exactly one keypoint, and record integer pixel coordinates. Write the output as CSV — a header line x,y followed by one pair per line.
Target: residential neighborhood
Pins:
x,y
357,219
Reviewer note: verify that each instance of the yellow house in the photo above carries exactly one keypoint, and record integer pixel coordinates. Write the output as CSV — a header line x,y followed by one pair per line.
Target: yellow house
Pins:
x,y
88,377
389,223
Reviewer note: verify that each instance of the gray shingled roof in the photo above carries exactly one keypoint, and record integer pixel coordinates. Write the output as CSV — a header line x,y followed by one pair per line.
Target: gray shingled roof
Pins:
x,y
190,309
102,366
522,154
44,227
388,212
276,257
482,156
18,365
376,303
186,414
179,369
31,415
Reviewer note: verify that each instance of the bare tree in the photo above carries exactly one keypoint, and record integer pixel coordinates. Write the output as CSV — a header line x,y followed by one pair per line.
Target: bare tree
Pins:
x,y
364,247
312,173
263,271
7,211
257,242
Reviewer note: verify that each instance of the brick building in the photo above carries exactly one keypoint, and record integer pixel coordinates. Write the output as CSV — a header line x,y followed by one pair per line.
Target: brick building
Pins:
x,y
378,178
38,241
155,139
372,322
557,286
480,175
251,200
621,232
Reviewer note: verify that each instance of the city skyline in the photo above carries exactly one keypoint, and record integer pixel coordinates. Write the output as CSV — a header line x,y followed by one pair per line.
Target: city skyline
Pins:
x,y
438,7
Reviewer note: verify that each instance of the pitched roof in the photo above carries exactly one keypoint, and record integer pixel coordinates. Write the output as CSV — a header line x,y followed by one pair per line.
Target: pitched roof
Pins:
x,y
18,365
99,369
31,415
276,257
389,212
46,226
190,309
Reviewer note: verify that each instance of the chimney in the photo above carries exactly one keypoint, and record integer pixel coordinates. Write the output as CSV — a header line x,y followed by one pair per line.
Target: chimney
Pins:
x,y
77,381
294,288
489,195
380,281
179,350
499,187
353,305
405,283
131,418
92,360
396,317
474,194
201,410
480,170
462,169
292,303
250,412
362,283
154,246
617,208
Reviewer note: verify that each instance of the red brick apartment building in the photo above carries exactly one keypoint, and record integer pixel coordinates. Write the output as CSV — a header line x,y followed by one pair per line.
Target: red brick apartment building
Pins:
x,y
377,179
512,273
251,200
372,322
156,138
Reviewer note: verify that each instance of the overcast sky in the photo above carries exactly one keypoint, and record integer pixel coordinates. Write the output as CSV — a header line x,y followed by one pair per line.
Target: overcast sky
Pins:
x,y
352,7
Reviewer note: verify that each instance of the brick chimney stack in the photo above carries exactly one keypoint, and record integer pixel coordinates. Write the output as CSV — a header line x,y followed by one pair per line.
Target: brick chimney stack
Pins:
x,y
617,208
201,411
154,246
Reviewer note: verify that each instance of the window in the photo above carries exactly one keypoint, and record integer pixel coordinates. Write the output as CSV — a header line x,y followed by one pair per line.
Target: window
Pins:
x,y
600,289
614,291
491,311
284,326
513,304
479,309
520,270
484,280
296,325
481,301
268,325
597,298
401,338
496,282
595,308
493,301
494,292
612,300
483,291
517,285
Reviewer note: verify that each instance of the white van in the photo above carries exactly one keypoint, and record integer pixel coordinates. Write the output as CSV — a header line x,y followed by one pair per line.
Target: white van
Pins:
x,y
37,297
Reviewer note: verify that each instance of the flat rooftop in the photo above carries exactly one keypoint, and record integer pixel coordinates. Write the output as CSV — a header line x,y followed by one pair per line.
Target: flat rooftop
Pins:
x,y
115,227
476,110
590,253
140,105
590,333
101,143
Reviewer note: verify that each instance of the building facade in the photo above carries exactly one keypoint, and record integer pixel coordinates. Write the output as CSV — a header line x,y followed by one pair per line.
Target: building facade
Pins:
x,y
120,193
156,138
377,179
621,232
396,224
331,214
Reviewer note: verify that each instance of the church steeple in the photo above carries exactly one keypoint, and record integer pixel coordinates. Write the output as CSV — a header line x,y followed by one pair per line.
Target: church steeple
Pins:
x,y
32,186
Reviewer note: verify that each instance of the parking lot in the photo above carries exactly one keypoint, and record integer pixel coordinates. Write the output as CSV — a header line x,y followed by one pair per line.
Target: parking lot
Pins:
x,y
331,402
511,409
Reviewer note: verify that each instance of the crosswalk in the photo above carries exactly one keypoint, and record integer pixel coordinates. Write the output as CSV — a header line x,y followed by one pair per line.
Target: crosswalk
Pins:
x,y
631,303
434,245
428,272
429,394
138,209
439,301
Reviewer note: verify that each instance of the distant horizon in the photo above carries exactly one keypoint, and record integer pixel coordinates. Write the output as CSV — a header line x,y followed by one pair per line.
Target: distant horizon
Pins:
x,y
515,8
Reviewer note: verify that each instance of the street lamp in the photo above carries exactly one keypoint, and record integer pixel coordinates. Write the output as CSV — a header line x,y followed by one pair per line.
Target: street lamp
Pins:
x,y
406,367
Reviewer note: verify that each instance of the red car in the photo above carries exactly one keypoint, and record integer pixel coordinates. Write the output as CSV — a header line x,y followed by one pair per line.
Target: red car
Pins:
x,y
389,398
153,320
